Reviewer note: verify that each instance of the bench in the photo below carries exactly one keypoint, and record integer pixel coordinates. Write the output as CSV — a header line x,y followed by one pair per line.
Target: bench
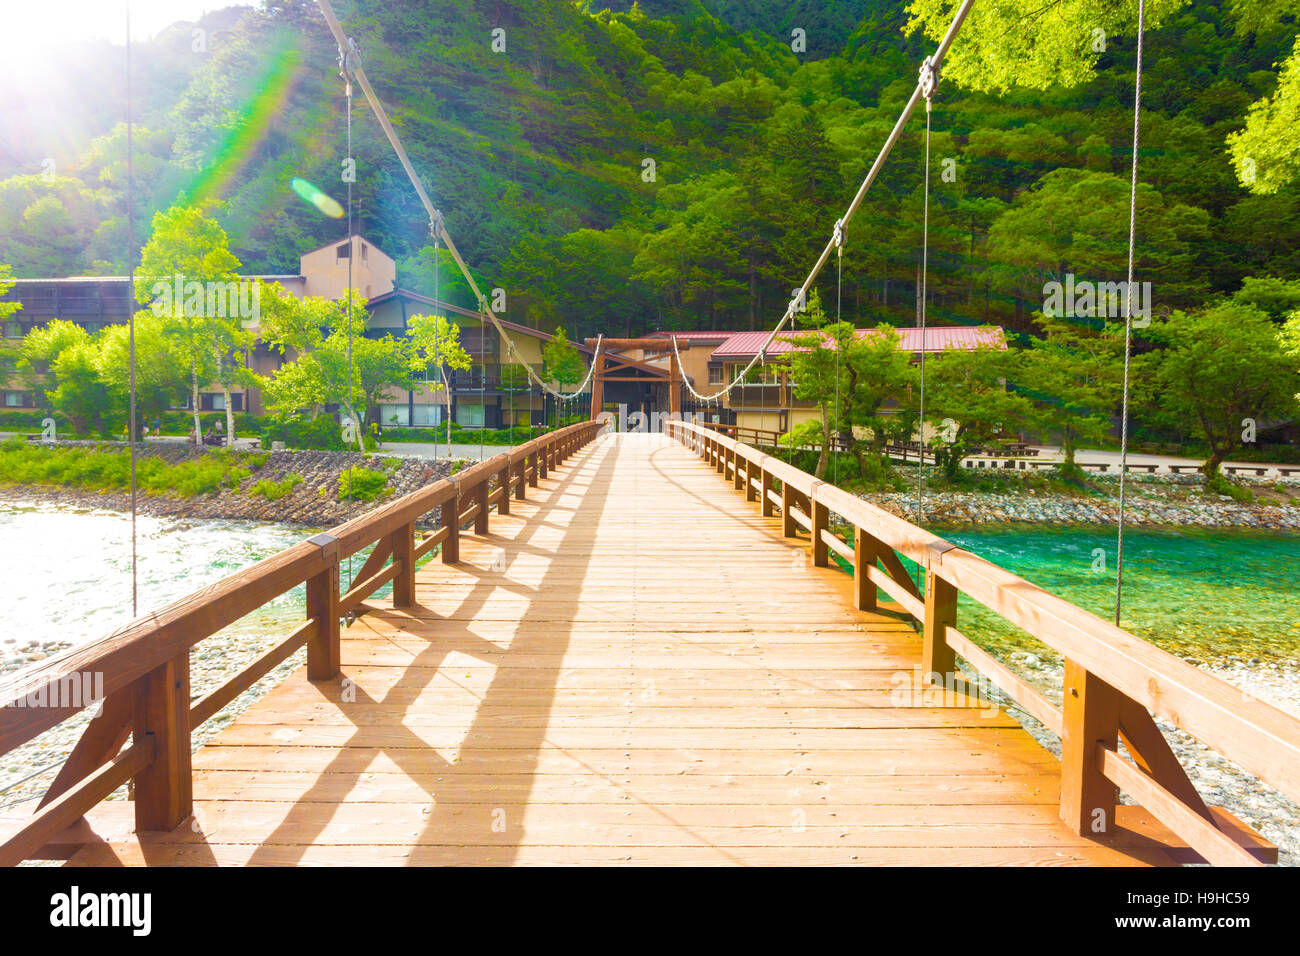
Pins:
x,y
1287,472
1179,469
1150,469
1240,469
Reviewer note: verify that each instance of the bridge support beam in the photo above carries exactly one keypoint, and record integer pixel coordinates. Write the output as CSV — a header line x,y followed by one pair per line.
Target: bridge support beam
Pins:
x,y
404,558
451,521
481,516
820,522
937,657
864,557
323,608
164,790
789,527
1090,721
503,484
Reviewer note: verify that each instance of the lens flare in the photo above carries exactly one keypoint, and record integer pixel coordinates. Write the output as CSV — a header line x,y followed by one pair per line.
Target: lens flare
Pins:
x,y
238,147
312,194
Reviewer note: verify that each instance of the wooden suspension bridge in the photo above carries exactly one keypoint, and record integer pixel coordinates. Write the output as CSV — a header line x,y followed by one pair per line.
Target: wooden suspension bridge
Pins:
x,y
636,648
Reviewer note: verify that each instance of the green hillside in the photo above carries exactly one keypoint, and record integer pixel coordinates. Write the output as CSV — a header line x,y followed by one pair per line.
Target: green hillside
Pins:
x,y
536,156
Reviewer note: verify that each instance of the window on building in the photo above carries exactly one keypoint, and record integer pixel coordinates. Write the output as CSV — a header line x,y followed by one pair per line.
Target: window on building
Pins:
x,y
427,415
471,416
14,399
365,252
343,252
218,403
394,415
13,330
715,375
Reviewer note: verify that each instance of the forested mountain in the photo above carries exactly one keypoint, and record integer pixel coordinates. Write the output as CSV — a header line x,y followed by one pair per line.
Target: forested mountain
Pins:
x,y
537,157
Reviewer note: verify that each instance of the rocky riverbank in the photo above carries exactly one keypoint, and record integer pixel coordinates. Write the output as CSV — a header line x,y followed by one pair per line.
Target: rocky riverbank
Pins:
x,y
308,487
1150,501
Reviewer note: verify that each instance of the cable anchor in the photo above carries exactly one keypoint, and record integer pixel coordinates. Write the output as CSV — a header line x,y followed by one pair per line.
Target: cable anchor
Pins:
x,y
349,63
838,236
929,80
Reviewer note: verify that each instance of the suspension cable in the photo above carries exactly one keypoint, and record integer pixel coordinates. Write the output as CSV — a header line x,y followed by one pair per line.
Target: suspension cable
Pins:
x,y
949,36
1128,310
130,271
346,66
929,78
436,223
839,319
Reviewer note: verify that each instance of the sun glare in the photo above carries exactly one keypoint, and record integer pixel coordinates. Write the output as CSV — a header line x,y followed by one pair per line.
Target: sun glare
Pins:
x,y
42,32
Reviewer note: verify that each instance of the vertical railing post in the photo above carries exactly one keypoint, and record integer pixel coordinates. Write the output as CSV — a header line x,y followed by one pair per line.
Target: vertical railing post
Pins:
x,y
404,559
937,656
750,494
523,478
737,472
451,521
543,459
323,608
535,459
765,496
820,516
864,557
481,496
503,482
1090,719
788,497
164,794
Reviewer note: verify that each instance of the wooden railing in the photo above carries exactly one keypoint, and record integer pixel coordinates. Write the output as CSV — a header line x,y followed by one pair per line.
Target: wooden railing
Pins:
x,y
1114,681
144,666
770,438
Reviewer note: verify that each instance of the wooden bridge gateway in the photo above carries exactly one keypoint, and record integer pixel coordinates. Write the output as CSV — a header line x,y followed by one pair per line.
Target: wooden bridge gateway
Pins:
x,y
643,654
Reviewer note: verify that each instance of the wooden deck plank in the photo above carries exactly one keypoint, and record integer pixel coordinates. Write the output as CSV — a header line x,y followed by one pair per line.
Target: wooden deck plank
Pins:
x,y
657,676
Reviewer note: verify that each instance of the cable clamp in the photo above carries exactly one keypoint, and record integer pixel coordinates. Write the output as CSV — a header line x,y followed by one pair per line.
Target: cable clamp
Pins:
x,y
349,61
929,79
839,236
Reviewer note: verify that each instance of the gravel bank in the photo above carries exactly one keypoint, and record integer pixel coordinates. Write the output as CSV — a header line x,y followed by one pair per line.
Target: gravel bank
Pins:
x,y
313,502
1150,501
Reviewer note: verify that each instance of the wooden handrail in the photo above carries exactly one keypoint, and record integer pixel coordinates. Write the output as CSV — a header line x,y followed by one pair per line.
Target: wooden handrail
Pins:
x,y
1259,737
143,665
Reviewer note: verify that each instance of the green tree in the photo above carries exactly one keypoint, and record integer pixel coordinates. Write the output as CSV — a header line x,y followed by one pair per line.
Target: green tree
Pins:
x,y
562,364
346,366
1073,373
59,361
1220,366
38,352
188,247
818,374
968,403
435,343
160,378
